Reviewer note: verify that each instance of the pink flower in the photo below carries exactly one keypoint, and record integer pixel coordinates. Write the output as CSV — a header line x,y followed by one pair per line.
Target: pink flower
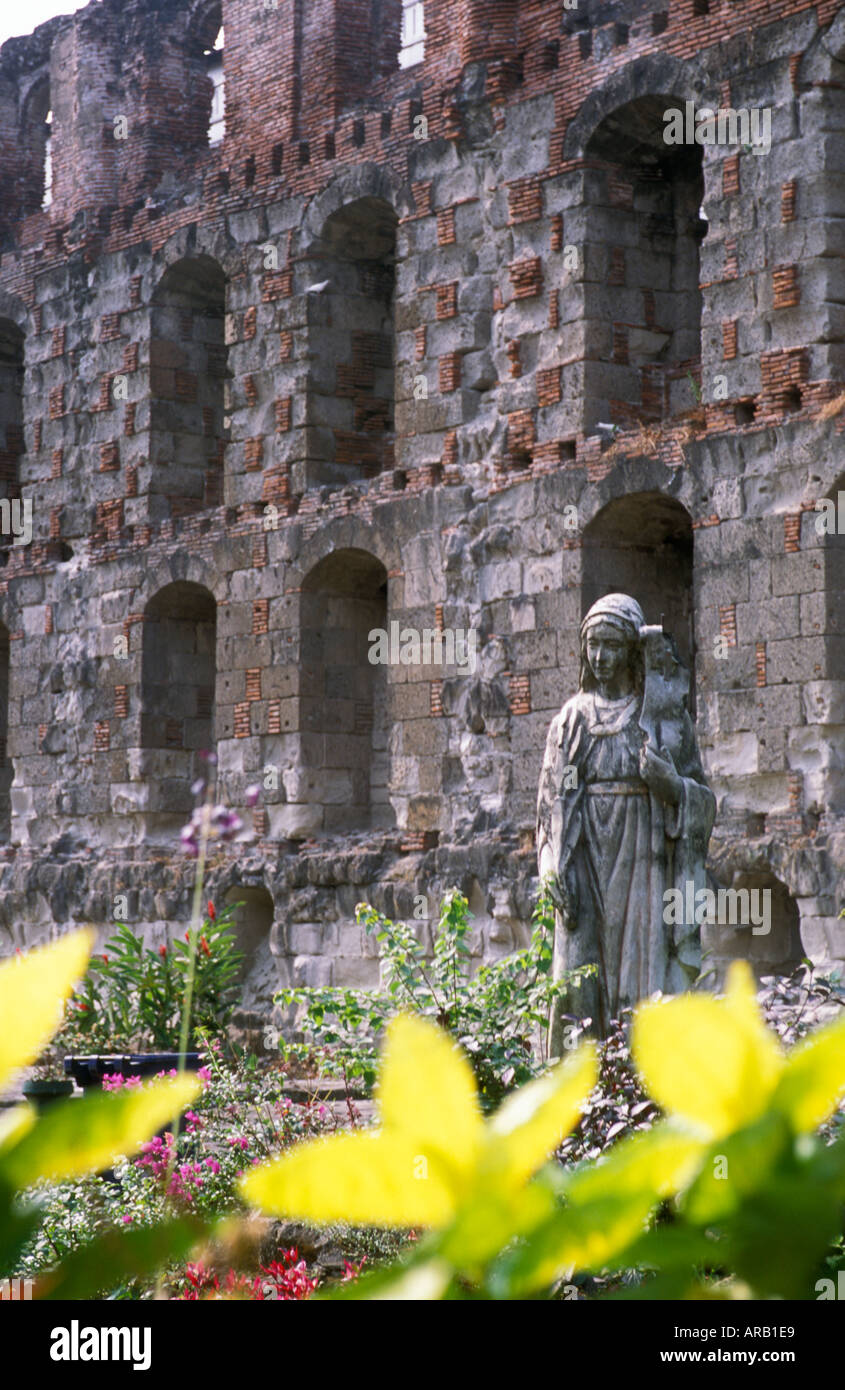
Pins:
x,y
193,1121
126,1218
239,1142
212,1165
204,1074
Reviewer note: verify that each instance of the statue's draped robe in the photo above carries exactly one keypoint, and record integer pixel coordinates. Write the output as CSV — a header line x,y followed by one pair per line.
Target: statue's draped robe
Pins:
x,y
617,847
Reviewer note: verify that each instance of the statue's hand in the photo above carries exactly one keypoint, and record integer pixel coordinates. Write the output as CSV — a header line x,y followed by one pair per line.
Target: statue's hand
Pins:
x,y
658,772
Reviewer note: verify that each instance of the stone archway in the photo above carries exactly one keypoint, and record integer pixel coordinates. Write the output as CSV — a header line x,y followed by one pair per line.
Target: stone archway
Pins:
x,y
642,545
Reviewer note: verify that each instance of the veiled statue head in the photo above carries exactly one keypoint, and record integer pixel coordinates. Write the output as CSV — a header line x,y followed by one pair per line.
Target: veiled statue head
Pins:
x,y
611,650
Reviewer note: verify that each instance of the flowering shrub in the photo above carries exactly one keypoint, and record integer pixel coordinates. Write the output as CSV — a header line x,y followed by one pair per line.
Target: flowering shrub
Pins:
x,y
77,1138
283,1279
132,997
240,1118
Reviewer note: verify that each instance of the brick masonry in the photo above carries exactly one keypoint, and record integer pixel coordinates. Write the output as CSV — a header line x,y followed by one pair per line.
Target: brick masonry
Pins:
x,y
270,394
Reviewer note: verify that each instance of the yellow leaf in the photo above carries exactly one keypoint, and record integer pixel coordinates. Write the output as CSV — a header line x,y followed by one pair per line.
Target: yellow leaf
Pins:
x,y
380,1179
704,1060
741,1003
76,1137
532,1121
427,1093
491,1219
606,1206
584,1238
659,1161
15,1123
33,989
814,1078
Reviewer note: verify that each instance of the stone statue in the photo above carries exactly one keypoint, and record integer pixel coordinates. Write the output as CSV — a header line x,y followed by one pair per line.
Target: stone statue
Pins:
x,y
623,815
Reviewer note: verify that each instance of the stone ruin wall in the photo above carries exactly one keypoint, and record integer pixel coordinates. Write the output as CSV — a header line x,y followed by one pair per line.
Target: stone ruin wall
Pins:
x,y
270,393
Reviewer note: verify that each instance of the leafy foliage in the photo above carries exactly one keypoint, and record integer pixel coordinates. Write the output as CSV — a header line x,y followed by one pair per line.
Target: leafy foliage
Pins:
x,y
499,1015
616,1106
75,1137
239,1117
132,996
752,1195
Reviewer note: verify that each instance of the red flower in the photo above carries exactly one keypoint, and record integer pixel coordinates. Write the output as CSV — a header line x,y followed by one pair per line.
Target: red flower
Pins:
x,y
105,958
188,935
162,950
82,1007
205,946
211,913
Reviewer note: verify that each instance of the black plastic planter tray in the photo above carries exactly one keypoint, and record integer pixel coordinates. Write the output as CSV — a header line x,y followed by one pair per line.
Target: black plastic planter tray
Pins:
x,y
89,1071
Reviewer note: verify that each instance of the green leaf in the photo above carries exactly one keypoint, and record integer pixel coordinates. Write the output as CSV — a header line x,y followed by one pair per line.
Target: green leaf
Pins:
x,y
75,1137
16,1231
575,1238
778,1236
814,1078
735,1167
679,1247
119,1256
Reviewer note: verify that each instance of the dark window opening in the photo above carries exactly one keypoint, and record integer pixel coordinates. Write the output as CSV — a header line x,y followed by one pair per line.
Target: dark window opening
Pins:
x,y
188,374
640,345
178,674
351,390
344,726
11,407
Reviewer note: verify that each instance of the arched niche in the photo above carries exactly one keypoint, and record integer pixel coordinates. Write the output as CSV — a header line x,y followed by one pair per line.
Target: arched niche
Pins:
x,y
772,946
178,673
344,756
350,314
188,372
641,297
642,545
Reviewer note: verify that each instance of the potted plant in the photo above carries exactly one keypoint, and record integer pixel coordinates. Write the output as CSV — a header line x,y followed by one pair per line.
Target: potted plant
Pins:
x,y
46,1083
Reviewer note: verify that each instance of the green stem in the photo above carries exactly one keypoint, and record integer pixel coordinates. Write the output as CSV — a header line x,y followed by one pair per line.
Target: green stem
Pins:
x,y
189,982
